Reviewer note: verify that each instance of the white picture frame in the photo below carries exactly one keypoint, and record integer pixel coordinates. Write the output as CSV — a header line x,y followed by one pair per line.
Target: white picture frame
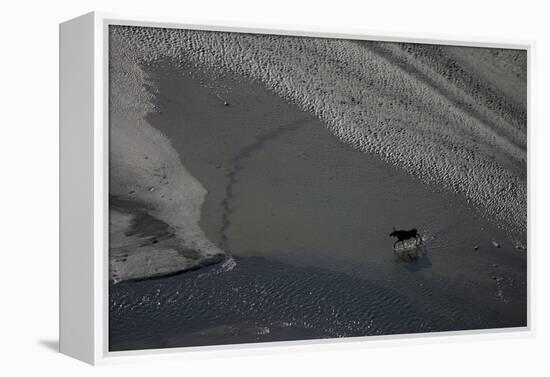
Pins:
x,y
84,190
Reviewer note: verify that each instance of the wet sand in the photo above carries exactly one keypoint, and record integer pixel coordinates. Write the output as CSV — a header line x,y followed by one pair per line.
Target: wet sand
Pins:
x,y
296,157
282,188
451,116
154,203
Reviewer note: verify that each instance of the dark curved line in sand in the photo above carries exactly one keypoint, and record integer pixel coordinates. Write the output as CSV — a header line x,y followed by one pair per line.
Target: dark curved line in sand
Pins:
x,y
243,154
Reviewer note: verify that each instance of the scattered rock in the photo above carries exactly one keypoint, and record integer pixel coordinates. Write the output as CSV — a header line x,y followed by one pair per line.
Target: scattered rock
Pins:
x,y
225,103
495,243
495,265
151,189
476,247
131,192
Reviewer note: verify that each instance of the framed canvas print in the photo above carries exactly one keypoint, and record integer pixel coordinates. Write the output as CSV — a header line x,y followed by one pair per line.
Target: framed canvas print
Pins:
x,y
224,186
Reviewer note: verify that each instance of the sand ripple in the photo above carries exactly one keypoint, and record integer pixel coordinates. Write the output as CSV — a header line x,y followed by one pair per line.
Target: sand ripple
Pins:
x,y
454,116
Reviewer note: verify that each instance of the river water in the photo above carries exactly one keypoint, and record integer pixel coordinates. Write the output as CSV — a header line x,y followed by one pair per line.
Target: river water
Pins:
x,y
306,219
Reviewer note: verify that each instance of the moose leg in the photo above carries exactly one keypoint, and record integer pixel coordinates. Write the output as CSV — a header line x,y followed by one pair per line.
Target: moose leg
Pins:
x,y
395,243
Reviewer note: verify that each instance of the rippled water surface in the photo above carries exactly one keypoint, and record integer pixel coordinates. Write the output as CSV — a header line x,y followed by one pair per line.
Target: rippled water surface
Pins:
x,y
262,300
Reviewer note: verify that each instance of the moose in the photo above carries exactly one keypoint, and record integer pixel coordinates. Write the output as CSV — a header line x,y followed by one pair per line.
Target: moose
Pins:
x,y
403,235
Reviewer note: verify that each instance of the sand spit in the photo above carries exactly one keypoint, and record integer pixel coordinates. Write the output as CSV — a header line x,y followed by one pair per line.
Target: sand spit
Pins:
x,y
453,116
155,204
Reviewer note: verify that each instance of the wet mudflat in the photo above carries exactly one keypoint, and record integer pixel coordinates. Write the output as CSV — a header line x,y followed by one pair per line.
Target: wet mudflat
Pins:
x,y
306,219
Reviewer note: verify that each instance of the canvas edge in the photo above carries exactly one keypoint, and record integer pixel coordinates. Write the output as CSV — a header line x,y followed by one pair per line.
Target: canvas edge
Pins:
x,y
76,191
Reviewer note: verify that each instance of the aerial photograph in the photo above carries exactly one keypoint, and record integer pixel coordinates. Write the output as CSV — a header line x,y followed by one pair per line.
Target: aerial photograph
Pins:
x,y
267,188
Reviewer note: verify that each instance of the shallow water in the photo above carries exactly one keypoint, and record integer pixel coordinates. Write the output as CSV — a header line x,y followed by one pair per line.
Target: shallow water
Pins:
x,y
262,300
307,219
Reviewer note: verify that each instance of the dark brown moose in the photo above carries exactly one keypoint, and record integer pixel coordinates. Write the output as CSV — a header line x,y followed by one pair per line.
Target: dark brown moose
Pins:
x,y
403,235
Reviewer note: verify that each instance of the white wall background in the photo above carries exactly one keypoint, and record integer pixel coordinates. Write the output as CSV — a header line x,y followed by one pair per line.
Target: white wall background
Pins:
x,y
29,189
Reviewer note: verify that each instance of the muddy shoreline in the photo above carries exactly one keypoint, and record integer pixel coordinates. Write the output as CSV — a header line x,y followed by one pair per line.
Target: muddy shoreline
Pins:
x,y
149,186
